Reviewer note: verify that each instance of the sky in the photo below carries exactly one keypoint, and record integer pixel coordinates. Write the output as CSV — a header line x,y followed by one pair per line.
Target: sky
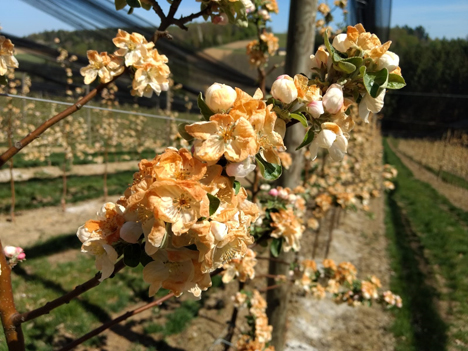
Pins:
x,y
447,18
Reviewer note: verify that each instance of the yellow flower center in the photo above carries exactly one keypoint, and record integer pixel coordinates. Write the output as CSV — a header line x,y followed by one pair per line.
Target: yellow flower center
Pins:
x,y
182,202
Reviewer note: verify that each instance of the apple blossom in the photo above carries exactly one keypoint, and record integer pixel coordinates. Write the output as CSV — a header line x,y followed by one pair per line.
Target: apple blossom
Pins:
x,y
333,99
220,97
284,89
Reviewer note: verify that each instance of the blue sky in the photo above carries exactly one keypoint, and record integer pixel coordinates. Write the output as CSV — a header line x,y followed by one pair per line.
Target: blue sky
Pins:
x,y
446,18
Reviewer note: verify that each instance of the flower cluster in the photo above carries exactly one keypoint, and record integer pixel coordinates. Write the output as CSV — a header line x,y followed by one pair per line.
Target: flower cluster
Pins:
x,y
243,268
355,71
260,335
223,12
150,69
341,281
240,127
187,214
258,51
14,255
323,24
7,58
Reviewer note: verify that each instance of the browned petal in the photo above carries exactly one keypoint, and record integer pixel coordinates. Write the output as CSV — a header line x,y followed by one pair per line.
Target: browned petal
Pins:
x,y
380,50
353,34
202,130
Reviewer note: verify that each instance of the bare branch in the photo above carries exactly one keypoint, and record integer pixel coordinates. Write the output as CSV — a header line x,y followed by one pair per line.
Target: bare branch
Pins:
x,y
13,333
49,306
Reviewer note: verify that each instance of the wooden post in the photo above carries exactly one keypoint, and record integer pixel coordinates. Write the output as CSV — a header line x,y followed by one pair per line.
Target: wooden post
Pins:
x,y
301,35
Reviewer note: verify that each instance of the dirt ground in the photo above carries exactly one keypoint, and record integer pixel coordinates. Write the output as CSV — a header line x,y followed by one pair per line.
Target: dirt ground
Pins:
x,y
457,196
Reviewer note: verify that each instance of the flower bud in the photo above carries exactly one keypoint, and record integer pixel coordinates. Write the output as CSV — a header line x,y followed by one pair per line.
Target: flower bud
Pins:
x,y
333,99
21,256
9,251
341,42
315,108
219,230
131,232
273,192
284,89
389,60
283,194
221,19
265,187
220,97
240,169
292,198
320,57
264,14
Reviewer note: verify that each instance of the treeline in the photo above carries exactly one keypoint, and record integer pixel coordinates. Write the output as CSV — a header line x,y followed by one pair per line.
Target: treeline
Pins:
x,y
199,36
436,71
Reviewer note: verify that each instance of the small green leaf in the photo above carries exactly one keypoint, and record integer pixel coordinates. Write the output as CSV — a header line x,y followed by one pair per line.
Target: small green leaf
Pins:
x,y
146,6
130,11
132,254
395,81
120,4
204,109
345,67
214,203
362,72
276,246
330,48
308,138
355,60
376,81
268,170
236,186
134,3
300,117
183,133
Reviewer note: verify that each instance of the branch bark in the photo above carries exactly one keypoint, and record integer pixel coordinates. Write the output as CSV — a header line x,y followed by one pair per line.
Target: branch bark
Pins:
x,y
8,313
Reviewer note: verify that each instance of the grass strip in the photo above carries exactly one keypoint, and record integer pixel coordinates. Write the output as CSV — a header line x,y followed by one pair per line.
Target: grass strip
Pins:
x,y
423,222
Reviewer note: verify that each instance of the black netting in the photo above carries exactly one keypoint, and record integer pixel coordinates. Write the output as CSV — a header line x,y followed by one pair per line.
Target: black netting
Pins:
x,y
375,15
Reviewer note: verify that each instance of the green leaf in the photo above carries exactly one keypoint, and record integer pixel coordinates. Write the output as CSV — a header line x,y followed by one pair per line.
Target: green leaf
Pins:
x,y
204,109
214,203
134,3
276,246
120,4
3,80
132,254
345,67
355,60
330,48
395,81
308,138
146,6
376,81
183,133
268,170
144,258
300,117
362,72
237,187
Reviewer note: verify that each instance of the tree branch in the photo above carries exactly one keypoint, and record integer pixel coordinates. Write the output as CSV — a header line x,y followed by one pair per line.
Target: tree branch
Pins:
x,y
49,306
13,333
115,321
232,322
12,151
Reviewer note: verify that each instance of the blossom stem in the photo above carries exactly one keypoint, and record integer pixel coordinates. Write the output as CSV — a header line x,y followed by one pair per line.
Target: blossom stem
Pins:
x,y
115,321
49,306
13,333
12,151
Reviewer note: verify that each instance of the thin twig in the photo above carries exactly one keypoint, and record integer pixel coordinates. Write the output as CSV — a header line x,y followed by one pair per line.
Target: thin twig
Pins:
x,y
13,333
80,289
232,323
115,321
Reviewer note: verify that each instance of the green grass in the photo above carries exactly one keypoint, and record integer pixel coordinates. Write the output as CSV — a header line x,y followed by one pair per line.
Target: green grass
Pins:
x,y
428,237
47,192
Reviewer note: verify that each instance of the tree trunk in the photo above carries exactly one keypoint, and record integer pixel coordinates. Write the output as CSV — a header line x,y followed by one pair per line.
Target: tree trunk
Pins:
x,y
301,36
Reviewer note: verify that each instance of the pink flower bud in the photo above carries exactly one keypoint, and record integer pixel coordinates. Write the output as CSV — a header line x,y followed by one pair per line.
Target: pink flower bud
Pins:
x,y
240,169
273,192
333,99
315,108
284,89
19,250
9,251
21,256
221,19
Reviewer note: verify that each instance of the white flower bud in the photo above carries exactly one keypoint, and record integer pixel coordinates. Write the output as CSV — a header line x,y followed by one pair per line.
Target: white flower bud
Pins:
x,y
283,194
333,99
220,97
369,104
284,89
389,60
219,230
265,187
249,6
292,198
341,42
315,108
240,169
264,14
9,251
131,232
320,57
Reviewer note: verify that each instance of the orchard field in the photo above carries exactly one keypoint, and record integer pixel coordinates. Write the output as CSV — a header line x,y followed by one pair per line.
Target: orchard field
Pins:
x,y
184,194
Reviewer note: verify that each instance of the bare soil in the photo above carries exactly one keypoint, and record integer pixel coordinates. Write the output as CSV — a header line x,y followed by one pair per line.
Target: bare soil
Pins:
x,y
457,196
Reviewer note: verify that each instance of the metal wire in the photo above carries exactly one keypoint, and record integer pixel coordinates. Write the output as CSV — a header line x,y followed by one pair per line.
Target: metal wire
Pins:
x,y
98,108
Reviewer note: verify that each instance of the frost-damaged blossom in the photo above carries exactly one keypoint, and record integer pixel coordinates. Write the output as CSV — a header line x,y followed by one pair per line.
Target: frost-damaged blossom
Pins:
x,y
240,267
103,65
133,47
7,60
151,75
99,235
